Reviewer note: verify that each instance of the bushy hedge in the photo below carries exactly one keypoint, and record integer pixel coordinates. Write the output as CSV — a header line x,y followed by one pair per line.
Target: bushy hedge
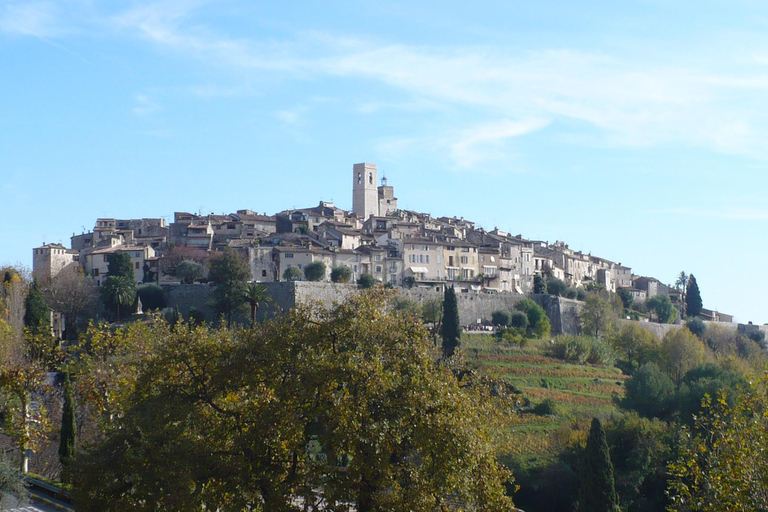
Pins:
x,y
583,350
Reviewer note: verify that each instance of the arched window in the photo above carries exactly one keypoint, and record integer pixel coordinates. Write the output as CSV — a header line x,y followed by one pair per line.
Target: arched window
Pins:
x,y
370,178
359,178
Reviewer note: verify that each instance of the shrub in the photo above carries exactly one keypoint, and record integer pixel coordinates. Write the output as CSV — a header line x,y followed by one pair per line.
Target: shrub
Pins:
x,y
366,281
188,271
315,271
196,317
341,274
292,274
556,286
570,293
538,322
519,321
152,296
649,392
546,407
501,318
581,294
696,326
583,350
757,336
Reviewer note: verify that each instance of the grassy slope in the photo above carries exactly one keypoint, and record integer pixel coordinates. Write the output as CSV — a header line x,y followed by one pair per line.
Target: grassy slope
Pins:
x,y
579,391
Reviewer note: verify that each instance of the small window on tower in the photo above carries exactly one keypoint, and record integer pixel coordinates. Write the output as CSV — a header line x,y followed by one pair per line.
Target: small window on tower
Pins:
x,y
359,178
370,178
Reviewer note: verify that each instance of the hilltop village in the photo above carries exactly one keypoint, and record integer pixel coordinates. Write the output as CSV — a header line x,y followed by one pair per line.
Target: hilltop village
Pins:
x,y
398,247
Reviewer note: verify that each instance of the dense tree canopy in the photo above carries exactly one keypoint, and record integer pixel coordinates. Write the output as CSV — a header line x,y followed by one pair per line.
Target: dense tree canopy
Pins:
x,y
538,321
597,316
349,400
229,272
721,465
662,306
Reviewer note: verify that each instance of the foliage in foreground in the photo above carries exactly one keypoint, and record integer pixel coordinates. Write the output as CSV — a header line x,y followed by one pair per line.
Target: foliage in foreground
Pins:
x,y
722,462
349,400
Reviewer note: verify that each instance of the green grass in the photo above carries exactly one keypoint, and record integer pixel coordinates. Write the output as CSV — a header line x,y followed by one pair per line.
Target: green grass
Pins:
x,y
580,393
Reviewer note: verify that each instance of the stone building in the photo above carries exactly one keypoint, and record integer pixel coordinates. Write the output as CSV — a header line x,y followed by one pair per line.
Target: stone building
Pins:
x,y
50,259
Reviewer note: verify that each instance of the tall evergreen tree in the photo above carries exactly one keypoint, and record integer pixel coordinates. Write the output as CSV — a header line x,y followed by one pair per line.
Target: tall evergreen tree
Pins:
x,y
68,425
597,492
119,264
451,329
37,315
693,304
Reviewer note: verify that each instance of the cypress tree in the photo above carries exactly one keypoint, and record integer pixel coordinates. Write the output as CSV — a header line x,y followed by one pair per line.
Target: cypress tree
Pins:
x,y
693,304
597,492
451,329
37,316
68,425
119,264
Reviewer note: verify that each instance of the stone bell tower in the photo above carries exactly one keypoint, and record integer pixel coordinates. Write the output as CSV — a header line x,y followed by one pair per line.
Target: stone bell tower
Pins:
x,y
365,194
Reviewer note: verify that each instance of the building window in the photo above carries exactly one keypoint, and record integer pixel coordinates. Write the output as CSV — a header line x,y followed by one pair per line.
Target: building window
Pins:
x,y
370,178
105,258
289,255
137,265
359,178
464,260
378,258
465,249
264,273
378,268
95,272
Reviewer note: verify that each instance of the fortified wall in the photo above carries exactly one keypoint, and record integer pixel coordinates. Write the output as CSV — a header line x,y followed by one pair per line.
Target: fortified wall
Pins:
x,y
563,313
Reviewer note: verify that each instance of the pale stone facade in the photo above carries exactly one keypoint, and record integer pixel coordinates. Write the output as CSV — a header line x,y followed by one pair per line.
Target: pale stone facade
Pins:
x,y
365,194
50,259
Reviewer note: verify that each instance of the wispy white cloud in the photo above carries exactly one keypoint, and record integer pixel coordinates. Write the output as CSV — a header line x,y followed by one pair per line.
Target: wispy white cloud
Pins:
x,y
38,19
145,105
480,143
627,102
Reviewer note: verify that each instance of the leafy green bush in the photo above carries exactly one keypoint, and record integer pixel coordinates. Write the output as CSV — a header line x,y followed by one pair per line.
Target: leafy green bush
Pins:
x,y
315,271
556,286
546,407
152,296
501,318
366,281
583,350
519,321
538,321
341,274
696,326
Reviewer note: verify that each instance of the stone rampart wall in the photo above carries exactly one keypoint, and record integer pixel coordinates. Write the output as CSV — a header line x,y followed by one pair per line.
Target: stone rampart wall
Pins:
x,y
563,313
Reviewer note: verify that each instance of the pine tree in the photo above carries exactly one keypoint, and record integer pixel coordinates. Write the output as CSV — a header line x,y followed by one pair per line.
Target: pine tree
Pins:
x,y
68,425
597,492
693,304
37,315
451,329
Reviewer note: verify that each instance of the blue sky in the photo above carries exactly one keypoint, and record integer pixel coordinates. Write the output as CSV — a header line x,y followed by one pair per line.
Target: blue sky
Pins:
x,y
632,130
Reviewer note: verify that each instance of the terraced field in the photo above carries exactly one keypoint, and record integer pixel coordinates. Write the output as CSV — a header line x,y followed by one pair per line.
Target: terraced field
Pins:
x,y
579,392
